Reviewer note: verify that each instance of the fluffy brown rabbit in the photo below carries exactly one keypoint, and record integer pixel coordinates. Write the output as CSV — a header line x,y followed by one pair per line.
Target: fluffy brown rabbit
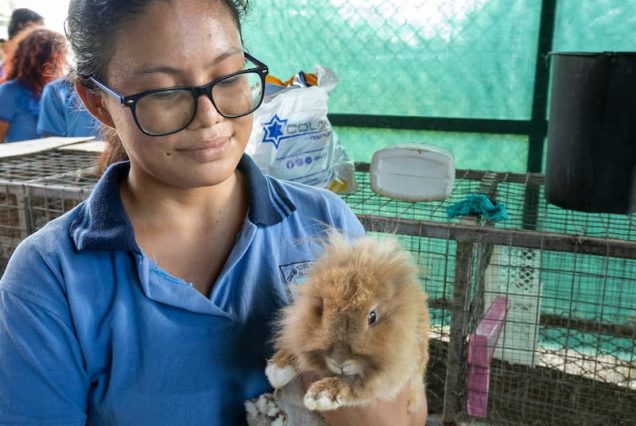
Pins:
x,y
359,325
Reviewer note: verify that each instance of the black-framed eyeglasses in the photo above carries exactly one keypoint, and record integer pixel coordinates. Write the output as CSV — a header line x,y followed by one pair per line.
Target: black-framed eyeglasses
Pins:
x,y
162,112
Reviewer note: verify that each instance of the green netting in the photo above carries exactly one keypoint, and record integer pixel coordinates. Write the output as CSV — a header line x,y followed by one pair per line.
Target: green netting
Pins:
x,y
471,150
461,58
437,58
595,26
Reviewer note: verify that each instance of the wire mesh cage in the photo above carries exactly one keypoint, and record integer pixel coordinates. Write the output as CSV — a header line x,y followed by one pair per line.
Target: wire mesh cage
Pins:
x,y
13,226
36,188
567,350
566,353
52,196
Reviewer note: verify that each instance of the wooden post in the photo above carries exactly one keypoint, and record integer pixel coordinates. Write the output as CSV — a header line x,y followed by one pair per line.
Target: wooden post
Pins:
x,y
454,385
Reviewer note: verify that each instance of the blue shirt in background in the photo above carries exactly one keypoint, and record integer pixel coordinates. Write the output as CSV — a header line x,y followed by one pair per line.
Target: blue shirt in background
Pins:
x,y
20,109
62,112
91,329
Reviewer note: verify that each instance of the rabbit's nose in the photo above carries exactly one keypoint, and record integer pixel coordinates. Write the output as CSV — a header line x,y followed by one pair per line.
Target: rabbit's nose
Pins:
x,y
347,368
334,366
339,359
340,352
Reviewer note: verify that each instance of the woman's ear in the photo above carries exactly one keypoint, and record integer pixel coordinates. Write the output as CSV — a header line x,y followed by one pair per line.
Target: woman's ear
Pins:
x,y
94,103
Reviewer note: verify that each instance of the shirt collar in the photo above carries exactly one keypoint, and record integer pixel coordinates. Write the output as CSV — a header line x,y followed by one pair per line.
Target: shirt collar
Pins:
x,y
101,222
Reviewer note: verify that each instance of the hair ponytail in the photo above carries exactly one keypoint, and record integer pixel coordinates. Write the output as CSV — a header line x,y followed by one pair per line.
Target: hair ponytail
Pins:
x,y
113,153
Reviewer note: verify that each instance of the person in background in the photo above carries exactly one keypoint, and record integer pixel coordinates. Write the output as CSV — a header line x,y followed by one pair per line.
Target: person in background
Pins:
x,y
20,20
62,113
39,59
151,302
2,54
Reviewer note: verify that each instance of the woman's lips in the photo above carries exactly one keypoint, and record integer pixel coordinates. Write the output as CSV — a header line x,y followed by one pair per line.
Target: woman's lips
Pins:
x,y
209,151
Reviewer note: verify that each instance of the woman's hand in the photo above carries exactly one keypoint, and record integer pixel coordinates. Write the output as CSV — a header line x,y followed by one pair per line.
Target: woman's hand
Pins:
x,y
378,413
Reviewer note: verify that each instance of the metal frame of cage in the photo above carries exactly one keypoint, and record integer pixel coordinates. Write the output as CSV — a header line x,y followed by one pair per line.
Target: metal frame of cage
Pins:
x,y
53,196
481,261
456,257
37,187
14,225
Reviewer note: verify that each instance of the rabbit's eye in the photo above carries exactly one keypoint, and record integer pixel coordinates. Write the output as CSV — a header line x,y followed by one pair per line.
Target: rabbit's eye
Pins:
x,y
372,317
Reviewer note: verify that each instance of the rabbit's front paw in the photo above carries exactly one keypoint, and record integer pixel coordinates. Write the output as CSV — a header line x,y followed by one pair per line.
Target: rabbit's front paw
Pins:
x,y
326,394
279,376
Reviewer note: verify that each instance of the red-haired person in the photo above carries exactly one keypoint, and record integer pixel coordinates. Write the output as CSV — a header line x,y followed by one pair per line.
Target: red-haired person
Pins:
x,y
40,58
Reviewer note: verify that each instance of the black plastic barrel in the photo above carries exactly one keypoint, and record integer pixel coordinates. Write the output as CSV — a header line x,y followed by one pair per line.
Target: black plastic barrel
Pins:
x,y
591,157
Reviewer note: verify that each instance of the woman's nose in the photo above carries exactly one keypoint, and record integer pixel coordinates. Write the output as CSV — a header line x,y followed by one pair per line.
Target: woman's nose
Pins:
x,y
207,115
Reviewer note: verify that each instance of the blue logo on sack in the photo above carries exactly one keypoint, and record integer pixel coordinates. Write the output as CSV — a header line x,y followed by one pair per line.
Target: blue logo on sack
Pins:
x,y
276,129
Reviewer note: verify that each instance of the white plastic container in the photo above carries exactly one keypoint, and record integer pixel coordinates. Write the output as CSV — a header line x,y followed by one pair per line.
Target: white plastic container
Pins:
x,y
413,172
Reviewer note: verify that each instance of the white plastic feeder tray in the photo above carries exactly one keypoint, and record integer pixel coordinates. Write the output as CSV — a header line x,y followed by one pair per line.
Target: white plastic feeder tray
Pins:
x,y
413,172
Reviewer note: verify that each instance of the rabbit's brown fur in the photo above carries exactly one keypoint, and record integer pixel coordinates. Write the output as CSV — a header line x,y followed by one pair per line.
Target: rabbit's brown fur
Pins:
x,y
326,331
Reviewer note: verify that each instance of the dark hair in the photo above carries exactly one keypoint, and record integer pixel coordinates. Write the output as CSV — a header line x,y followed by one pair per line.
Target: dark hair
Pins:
x,y
20,17
39,59
91,27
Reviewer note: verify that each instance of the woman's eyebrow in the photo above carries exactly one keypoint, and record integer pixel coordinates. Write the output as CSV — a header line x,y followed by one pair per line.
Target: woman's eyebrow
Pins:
x,y
150,68
223,56
156,68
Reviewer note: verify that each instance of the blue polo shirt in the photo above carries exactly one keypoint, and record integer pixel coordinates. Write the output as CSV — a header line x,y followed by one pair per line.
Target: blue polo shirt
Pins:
x,y
62,112
92,329
20,109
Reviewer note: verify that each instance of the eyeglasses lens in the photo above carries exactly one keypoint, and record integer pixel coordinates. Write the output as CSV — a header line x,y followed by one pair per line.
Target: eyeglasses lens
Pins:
x,y
169,110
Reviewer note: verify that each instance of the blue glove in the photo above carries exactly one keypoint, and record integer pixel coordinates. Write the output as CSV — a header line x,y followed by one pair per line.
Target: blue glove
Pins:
x,y
478,205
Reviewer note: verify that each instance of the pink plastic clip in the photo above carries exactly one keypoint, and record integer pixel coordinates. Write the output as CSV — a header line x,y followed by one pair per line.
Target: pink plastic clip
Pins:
x,y
481,348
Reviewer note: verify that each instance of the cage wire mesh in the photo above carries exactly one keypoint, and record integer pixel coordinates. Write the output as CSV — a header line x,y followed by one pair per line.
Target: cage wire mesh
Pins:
x,y
403,55
431,58
567,352
13,226
52,196
36,188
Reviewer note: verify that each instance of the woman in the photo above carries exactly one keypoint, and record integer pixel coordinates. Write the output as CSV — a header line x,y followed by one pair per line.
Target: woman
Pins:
x,y
21,19
40,57
150,302
63,114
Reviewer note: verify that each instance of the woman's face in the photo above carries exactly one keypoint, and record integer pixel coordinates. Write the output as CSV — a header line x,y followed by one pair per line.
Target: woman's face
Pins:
x,y
179,43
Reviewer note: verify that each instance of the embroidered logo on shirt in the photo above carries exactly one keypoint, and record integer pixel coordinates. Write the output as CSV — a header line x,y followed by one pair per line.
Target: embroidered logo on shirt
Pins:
x,y
294,275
